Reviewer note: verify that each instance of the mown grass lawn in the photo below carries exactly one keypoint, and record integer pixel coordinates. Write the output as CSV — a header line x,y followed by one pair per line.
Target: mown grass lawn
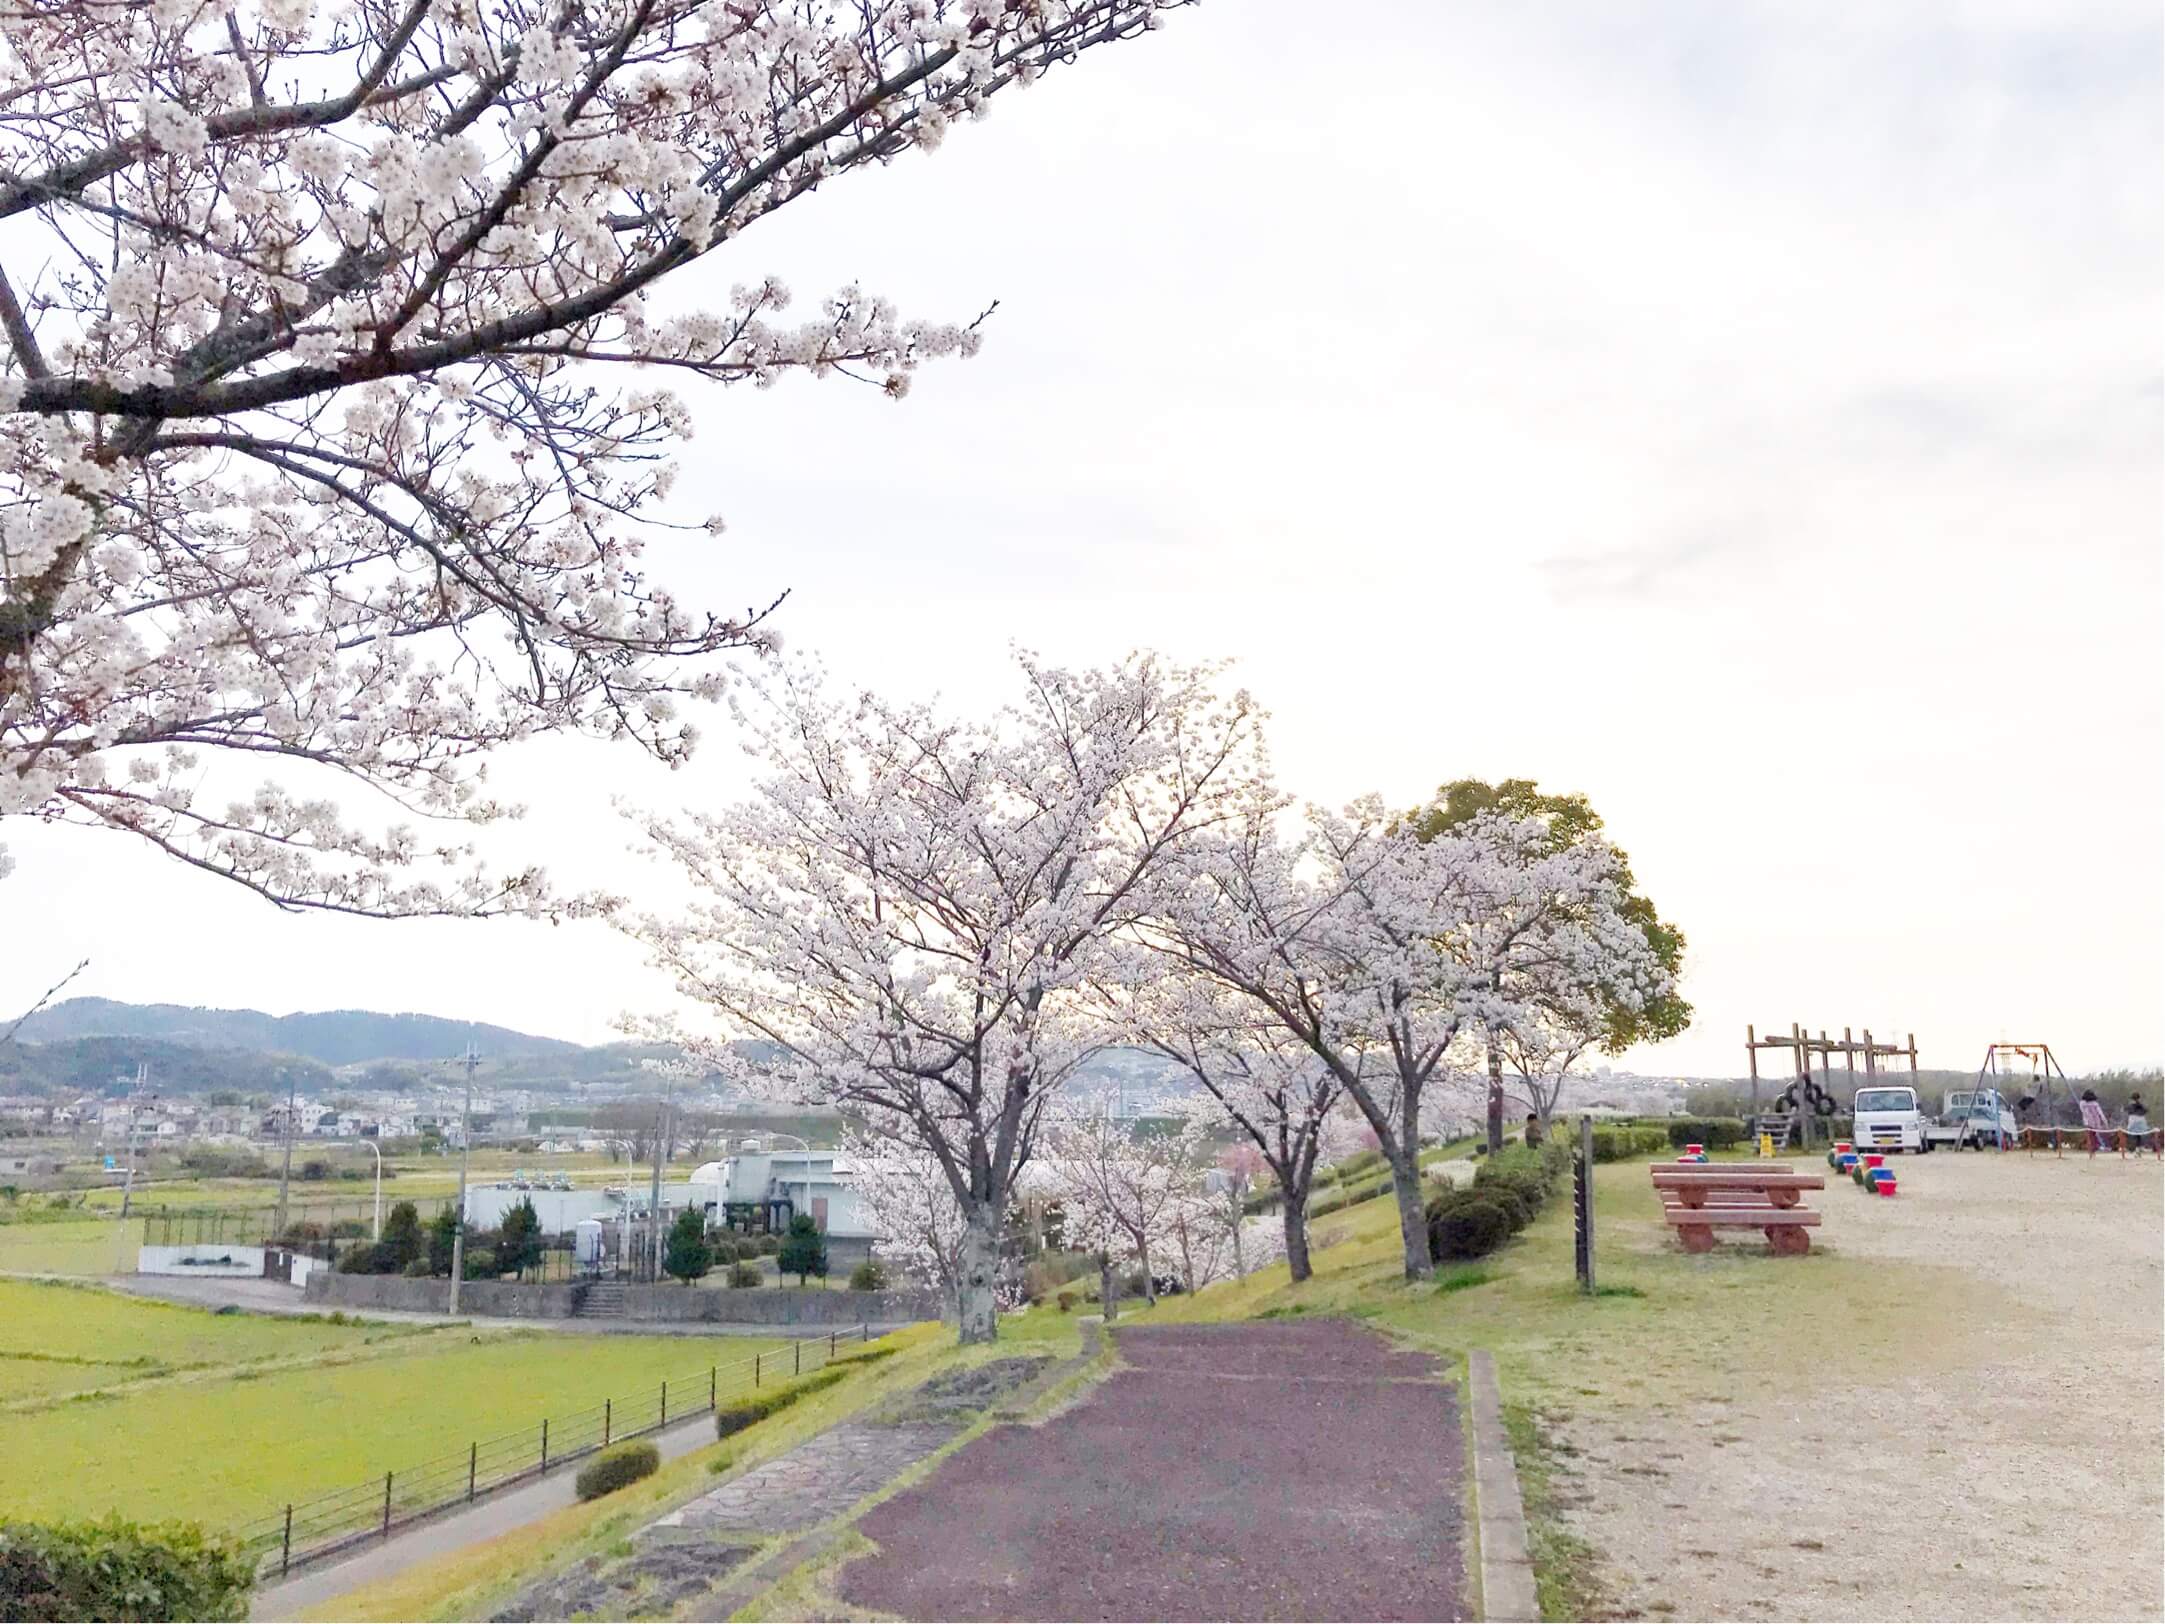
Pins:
x,y
232,1441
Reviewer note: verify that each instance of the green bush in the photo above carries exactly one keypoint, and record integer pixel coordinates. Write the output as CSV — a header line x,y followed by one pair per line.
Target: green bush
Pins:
x,y
1716,1133
480,1266
1466,1224
418,1269
744,1274
615,1467
1515,1206
769,1245
739,1413
376,1259
120,1570
868,1276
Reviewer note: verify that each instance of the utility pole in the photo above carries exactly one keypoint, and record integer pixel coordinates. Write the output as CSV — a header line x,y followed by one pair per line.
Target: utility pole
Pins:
x,y
466,1141
285,1172
654,1208
127,1188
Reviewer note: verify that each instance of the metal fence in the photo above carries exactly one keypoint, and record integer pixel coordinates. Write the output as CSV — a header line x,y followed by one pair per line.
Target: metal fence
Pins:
x,y
308,1531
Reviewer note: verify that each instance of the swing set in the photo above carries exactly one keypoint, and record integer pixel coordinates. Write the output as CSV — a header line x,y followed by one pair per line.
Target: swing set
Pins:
x,y
2031,1068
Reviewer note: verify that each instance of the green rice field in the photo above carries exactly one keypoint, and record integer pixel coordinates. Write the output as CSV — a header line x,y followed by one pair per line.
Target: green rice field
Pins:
x,y
156,1410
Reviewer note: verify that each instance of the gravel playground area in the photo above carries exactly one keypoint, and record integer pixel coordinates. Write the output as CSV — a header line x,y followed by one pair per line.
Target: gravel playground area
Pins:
x,y
2008,1465
1264,1471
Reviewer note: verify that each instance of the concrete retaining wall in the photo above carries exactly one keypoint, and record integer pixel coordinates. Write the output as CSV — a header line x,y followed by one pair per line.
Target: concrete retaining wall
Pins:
x,y
201,1260
512,1299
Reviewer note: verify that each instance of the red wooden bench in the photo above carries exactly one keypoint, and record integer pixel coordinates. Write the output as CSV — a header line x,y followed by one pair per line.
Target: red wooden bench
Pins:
x,y
1698,1199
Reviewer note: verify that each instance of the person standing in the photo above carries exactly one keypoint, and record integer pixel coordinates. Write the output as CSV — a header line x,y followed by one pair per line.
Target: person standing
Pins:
x,y
1533,1131
2138,1126
2093,1119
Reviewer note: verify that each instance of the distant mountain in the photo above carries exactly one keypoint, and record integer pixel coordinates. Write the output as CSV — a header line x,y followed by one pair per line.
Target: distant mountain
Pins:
x,y
107,1065
340,1037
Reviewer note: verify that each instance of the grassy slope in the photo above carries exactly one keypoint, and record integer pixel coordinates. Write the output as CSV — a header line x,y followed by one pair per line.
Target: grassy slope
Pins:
x,y
334,1405
473,1582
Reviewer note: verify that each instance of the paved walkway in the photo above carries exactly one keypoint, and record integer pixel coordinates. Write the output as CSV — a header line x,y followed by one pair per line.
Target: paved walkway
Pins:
x,y
498,1514
1267,1471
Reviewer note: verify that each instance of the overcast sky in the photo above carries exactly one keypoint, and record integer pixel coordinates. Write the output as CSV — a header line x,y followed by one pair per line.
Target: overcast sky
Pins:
x,y
1746,414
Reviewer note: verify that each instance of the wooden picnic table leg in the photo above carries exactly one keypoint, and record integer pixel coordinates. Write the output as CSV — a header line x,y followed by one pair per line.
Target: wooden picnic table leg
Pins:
x,y
1789,1240
1696,1237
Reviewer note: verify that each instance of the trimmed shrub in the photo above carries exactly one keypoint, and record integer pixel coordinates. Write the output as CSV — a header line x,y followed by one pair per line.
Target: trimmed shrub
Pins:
x,y
616,1467
744,1274
480,1266
418,1269
868,1276
1467,1225
769,1245
377,1259
120,1570
1515,1206
739,1413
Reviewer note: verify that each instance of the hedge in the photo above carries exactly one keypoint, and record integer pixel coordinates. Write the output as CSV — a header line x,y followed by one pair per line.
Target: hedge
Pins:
x,y
1474,1221
1716,1133
615,1468
1623,1144
120,1570
740,1413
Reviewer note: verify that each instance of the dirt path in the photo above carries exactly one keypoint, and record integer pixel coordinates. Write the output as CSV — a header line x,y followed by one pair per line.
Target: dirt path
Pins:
x,y
1266,1471
2008,1467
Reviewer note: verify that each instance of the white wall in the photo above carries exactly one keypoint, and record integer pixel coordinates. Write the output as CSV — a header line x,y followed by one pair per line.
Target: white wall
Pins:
x,y
247,1261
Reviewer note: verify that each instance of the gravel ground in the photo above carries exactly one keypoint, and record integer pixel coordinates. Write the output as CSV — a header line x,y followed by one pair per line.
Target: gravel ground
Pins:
x,y
2011,1469
1262,1471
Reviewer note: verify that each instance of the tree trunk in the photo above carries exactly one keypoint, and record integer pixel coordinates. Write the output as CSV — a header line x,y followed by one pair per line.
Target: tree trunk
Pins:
x,y
1296,1237
1108,1288
1150,1283
977,1317
1412,1221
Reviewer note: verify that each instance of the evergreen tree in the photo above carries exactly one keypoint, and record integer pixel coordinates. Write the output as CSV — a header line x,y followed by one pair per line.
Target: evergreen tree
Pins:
x,y
443,1232
402,1241
804,1250
688,1256
518,1245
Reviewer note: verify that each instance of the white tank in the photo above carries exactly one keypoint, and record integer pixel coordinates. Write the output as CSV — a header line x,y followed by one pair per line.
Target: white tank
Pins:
x,y
586,1242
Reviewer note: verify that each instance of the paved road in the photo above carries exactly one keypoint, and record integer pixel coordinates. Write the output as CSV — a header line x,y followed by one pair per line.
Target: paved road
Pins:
x,y
1265,1471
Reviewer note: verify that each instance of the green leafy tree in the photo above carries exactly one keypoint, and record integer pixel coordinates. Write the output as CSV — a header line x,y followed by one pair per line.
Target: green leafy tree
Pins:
x,y
518,1244
804,1250
402,1240
1570,819
443,1231
688,1256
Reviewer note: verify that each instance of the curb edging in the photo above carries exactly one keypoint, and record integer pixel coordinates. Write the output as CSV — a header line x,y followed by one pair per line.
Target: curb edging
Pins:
x,y
1507,1570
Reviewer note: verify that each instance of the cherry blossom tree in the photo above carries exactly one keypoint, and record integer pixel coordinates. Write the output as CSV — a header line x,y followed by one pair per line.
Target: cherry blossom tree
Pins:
x,y
1126,1189
1383,953
912,907
911,1203
1262,1079
309,450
